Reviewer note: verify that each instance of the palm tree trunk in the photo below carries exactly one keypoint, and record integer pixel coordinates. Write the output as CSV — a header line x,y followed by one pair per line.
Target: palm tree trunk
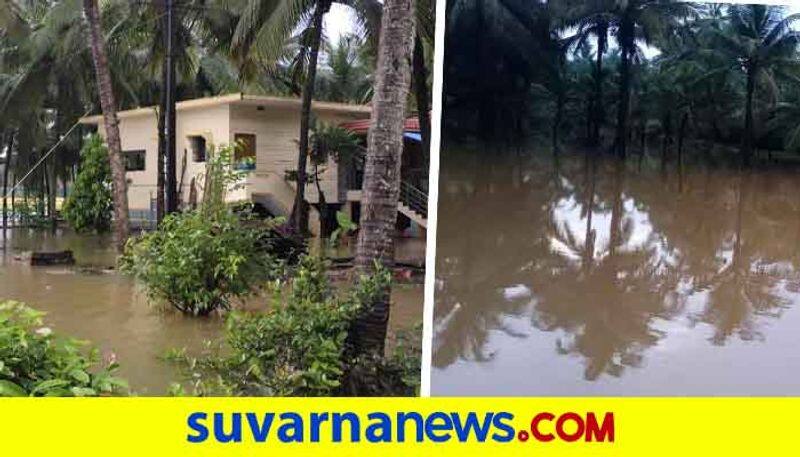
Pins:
x,y
643,136
557,121
615,236
52,190
48,172
665,140
13,197
299,217
162,150
111,123
161,154
170,149
382,169
6,170
737,244
598,112
41,201
421,94
588,244
747,143
681,134
626,45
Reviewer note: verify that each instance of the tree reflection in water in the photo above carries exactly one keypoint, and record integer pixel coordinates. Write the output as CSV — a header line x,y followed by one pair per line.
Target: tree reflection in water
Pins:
x,y
603,255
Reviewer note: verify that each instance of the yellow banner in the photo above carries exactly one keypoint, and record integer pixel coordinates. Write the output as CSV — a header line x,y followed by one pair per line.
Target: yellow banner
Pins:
x,y
675,427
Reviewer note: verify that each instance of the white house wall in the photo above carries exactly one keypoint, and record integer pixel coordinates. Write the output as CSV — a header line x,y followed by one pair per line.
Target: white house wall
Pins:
x,y
277,131
140,132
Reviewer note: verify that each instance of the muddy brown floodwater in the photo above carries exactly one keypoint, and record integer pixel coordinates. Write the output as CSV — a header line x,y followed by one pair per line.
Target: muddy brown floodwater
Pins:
x,y
112,312
584,277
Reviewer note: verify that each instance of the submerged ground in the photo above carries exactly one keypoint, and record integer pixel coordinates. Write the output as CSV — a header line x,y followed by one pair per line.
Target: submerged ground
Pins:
x,y
90,302
584,276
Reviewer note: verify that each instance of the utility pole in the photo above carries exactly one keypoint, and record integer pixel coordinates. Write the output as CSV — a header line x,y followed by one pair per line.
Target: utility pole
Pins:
x,y
171,180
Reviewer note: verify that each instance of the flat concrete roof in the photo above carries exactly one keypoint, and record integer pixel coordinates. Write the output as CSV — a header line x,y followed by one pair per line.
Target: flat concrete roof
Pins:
x,y
237,99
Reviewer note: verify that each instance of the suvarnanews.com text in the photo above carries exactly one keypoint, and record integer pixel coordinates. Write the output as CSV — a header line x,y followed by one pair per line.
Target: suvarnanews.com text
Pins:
x,y
399,427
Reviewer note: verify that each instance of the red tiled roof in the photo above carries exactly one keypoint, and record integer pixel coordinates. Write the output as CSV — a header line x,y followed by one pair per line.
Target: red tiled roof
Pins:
x,y
361,126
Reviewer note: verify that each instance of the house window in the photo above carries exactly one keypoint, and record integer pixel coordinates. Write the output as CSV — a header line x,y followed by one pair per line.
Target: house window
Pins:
x,y
197,144
245,146
135,160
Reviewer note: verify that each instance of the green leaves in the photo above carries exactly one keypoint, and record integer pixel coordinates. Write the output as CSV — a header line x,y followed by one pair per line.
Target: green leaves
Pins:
x,y
346,226
89,206
300,346
35,362
330,140
83,392
10,389
49,385
198,261
198,264
80,376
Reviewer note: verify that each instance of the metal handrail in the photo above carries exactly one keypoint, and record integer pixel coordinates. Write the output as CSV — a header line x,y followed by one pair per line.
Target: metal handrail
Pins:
x,y
410,195
414,198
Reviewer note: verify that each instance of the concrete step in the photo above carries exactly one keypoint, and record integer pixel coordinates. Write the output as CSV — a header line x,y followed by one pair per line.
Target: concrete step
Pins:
x,y
413,215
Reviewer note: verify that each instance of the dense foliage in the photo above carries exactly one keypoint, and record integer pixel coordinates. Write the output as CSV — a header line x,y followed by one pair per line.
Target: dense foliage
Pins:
x,y
197,264
35,362
199,260
47,80
89,205
300,346
342,145
620,75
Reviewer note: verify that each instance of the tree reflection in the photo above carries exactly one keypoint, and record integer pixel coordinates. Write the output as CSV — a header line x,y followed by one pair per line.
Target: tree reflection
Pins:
x,y
743,289
606,255
605,304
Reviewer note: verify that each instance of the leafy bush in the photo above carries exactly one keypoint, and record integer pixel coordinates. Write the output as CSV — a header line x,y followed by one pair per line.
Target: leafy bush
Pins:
x,y
198,261
89,205
299,347
198,264
221,174
397,373
34,362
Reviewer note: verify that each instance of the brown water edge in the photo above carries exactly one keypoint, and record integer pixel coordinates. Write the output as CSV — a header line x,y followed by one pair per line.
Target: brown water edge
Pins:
x,y
583,277
112,312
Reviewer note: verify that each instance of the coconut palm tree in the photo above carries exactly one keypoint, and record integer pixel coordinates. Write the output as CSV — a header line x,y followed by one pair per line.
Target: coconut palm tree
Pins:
x,y
347,76
111,123
262,29
43,88
759,44
382,168
423,40
593,20
787,119
638,22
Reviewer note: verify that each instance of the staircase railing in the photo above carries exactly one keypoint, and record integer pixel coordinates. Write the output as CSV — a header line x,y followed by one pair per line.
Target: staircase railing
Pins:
x,y
414,198
411,196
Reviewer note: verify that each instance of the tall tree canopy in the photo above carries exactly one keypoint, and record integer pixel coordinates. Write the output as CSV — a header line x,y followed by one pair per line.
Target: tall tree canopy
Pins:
x,y
603,72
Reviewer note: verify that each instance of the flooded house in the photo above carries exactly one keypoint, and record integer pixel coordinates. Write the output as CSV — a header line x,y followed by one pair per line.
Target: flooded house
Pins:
x,y
413,204
266,128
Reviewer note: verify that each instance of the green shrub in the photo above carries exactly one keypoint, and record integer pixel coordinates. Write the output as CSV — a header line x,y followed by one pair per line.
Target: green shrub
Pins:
x,y
299,347
198,261
199,264
34,362
394,374
89,205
